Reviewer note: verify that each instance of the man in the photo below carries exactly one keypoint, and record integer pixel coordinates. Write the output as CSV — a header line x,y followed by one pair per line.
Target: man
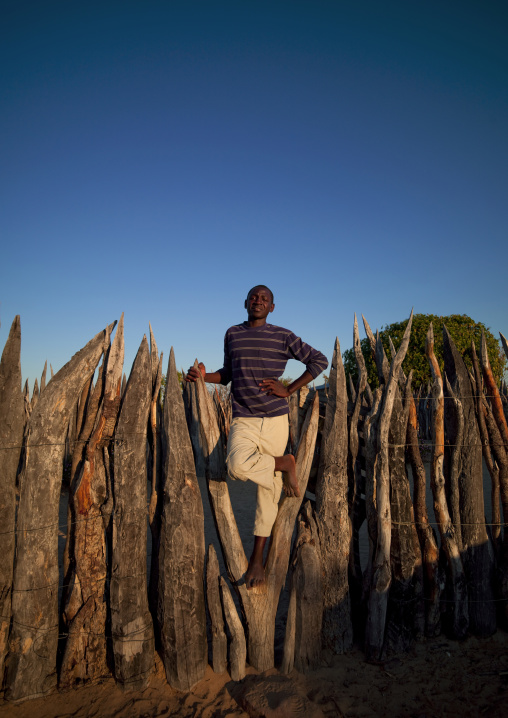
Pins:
x,y
255,356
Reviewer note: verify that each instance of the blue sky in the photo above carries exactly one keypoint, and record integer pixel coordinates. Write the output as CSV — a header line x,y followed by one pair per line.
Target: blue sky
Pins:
x,y
160,158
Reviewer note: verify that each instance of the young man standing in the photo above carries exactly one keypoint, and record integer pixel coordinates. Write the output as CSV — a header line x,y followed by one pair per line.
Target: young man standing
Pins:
x,y
255,356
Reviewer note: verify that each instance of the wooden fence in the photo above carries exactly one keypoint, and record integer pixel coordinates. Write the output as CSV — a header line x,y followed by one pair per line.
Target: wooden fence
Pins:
x,y
107,438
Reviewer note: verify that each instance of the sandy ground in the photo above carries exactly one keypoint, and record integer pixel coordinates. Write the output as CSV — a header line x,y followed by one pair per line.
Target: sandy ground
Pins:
x,y
438,677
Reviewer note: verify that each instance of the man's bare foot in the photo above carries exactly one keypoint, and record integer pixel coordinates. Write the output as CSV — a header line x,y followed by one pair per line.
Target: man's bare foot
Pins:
x,y
287,465
255,575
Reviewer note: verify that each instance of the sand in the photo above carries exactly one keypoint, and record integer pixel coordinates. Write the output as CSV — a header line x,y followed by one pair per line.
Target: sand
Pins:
x,y
437,678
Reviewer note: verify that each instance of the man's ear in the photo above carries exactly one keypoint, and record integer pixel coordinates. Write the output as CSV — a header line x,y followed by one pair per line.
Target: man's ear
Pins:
x,y
272,307
245,304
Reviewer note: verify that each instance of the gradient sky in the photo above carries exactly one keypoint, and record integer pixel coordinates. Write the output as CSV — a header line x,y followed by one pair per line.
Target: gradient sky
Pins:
x,y
160,158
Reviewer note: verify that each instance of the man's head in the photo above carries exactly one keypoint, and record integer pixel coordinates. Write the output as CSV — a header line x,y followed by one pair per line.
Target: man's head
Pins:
x,y
259,302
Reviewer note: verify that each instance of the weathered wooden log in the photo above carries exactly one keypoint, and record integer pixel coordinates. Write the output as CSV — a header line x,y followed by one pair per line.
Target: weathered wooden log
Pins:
x,y
458,597
478,555
131,621
454,407
31,664
370,429
259,604
381,579
219,640
495,443
237,647
357,480
294,427
85,612
428,543
90,402
405,618
181,600
194,426
11,437
406,613
492,466
43,376
493,391
306,583
155,440
378,353
35,395
352,390
288,658
332,512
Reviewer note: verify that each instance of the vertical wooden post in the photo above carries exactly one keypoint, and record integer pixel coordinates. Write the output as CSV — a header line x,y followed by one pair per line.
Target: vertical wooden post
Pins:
x,y
85,653
381,579
131,621
219,640
181,600
11,437
478,555
332,513
426,535
31,664
458,594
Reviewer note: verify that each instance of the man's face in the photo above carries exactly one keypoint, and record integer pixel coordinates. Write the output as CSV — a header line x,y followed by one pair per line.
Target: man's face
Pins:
x,y
259,303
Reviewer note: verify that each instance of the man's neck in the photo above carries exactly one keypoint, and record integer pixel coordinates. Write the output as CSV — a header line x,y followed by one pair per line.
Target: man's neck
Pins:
x,y
256,322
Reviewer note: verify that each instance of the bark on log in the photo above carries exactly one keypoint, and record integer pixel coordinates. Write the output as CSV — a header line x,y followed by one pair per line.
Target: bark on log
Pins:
x,y
406,613
493,392
31,664
477,552
378,598
332,513
288,659
307,585
181,600
500,450
43,376
219,640
11,437
454,408
155,507
35,395
428,543
357,509
237,647
85,653
370,429
492,466
259,604
131,621
458,603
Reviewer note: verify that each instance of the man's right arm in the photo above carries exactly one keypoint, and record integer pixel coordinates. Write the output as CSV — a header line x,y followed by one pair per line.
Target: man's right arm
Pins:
x,y
223,376
193,374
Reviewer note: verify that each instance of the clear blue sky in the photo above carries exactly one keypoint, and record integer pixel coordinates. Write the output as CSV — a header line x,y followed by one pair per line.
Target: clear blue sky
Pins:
x,y
160,158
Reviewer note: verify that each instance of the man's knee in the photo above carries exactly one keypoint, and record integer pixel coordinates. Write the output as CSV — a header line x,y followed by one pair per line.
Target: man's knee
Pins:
x,y
239,465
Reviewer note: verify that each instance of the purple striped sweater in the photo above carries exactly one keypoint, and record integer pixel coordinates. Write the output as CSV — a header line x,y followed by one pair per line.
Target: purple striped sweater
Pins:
x,y
255,353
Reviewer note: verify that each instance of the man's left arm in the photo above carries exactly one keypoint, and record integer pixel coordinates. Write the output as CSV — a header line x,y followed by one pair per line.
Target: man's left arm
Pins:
x,y
315,362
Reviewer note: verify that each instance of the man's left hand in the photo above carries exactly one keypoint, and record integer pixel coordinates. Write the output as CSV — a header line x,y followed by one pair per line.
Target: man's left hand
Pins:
x,y
274,387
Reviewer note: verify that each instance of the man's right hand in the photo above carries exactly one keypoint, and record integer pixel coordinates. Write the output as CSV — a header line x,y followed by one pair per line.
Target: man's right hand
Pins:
x,y
193,373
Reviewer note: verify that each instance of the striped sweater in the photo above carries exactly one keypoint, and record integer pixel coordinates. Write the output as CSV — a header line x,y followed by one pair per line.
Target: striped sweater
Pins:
x,y
255,353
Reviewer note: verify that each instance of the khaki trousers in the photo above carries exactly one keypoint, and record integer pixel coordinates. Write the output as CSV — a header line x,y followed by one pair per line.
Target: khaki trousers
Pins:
x,y
252,444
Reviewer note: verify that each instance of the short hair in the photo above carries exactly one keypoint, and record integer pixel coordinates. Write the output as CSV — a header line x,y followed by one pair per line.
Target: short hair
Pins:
x,y
264,287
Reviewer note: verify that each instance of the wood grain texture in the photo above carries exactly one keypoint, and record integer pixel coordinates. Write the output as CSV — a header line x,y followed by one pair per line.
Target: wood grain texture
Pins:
x,y
12,418
332,513
31,664
131,621
181,599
